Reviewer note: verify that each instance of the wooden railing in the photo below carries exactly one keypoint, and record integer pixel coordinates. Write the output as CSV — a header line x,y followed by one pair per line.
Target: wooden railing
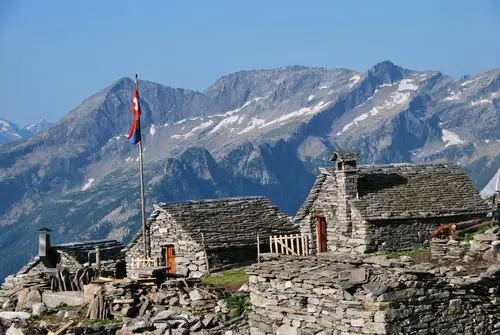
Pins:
x,y
143,262
296,244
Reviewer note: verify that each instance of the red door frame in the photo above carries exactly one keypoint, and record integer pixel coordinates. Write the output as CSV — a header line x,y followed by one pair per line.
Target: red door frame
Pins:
x,y
321,234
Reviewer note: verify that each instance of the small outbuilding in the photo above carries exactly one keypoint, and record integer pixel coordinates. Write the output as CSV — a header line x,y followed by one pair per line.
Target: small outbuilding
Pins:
x,y
69,266
194,237
371,208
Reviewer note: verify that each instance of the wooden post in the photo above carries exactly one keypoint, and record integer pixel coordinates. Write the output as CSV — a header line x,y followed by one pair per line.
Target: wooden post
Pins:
x,y
258,248
98,258
298,244
271,244
205,252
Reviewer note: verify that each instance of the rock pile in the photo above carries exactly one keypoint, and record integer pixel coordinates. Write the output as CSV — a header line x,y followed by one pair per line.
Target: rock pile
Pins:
x,y
483,246
182,304
371,295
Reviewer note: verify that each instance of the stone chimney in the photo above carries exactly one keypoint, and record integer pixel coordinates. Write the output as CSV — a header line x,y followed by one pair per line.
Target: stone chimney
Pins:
x,y
347,184
43,242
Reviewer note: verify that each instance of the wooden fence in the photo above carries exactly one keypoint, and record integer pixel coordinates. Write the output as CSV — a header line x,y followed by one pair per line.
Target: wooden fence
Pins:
x,y
296,244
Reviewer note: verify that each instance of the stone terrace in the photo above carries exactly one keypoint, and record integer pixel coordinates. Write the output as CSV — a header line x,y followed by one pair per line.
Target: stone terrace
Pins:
x,y
347,295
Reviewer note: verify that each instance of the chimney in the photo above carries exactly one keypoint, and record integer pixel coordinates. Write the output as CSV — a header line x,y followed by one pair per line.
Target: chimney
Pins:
x,y
347,186
43,242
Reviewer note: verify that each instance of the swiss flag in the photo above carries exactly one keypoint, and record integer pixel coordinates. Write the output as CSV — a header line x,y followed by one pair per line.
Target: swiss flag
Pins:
x,y
134,135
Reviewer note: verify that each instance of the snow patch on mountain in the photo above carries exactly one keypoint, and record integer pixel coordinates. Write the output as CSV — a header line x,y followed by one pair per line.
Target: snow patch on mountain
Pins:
x,y
5,125
450,138
88,184
309,98
468,82
117,137
152,130
301,112
407,85
254,123
453,96
480,102
395,99
354,80
194,130
224,123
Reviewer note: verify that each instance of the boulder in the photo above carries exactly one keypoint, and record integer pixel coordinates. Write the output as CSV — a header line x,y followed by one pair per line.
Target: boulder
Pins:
x,y
70,314
39,308
13,330
163,315
124,332
195,295
287,330
208,320
4,325
70,298
14,315
139,324
129,311
26,298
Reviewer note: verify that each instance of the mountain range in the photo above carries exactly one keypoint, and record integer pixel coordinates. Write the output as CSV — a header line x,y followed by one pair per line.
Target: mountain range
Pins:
x,y
262,132
10,131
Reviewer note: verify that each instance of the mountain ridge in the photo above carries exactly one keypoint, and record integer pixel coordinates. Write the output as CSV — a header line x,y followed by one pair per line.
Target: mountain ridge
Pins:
x,y
260,132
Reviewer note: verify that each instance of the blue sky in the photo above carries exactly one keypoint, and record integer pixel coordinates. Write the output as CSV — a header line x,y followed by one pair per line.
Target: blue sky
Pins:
x,y
54,54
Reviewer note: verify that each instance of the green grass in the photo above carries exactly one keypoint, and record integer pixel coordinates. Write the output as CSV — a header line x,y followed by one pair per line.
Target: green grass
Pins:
x,y
100,322
225,278
411,252
468,237
237,304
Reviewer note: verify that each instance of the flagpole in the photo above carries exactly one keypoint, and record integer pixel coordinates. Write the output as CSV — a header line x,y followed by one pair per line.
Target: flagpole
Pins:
x,y
143,207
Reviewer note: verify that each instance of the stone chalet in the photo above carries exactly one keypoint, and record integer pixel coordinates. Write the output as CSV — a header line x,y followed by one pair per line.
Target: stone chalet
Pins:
x,y
194,237
373,208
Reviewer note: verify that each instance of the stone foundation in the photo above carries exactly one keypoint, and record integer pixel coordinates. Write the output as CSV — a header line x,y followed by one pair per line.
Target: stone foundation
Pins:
x,y
373,295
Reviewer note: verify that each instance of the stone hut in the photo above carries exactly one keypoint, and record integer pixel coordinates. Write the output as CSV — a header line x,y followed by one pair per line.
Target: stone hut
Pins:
x,y
194,237
67,267
371,208
74,255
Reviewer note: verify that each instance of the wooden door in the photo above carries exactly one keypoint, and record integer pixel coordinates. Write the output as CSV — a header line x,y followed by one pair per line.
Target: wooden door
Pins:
x,y
170,257
321,234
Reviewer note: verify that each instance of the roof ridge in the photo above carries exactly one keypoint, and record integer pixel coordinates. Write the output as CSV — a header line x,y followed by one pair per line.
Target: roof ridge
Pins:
x,y
215,200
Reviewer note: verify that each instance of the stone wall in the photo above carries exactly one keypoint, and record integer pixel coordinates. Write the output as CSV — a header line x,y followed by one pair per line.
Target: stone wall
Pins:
x,y
392,235
371,295
325,204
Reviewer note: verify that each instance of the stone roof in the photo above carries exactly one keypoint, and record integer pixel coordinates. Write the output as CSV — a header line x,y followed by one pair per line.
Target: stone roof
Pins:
x,y
110,249
311,197
225,222
403,191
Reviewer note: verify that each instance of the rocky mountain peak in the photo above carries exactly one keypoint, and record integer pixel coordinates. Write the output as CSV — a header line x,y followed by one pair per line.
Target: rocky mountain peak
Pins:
x,y
387,72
